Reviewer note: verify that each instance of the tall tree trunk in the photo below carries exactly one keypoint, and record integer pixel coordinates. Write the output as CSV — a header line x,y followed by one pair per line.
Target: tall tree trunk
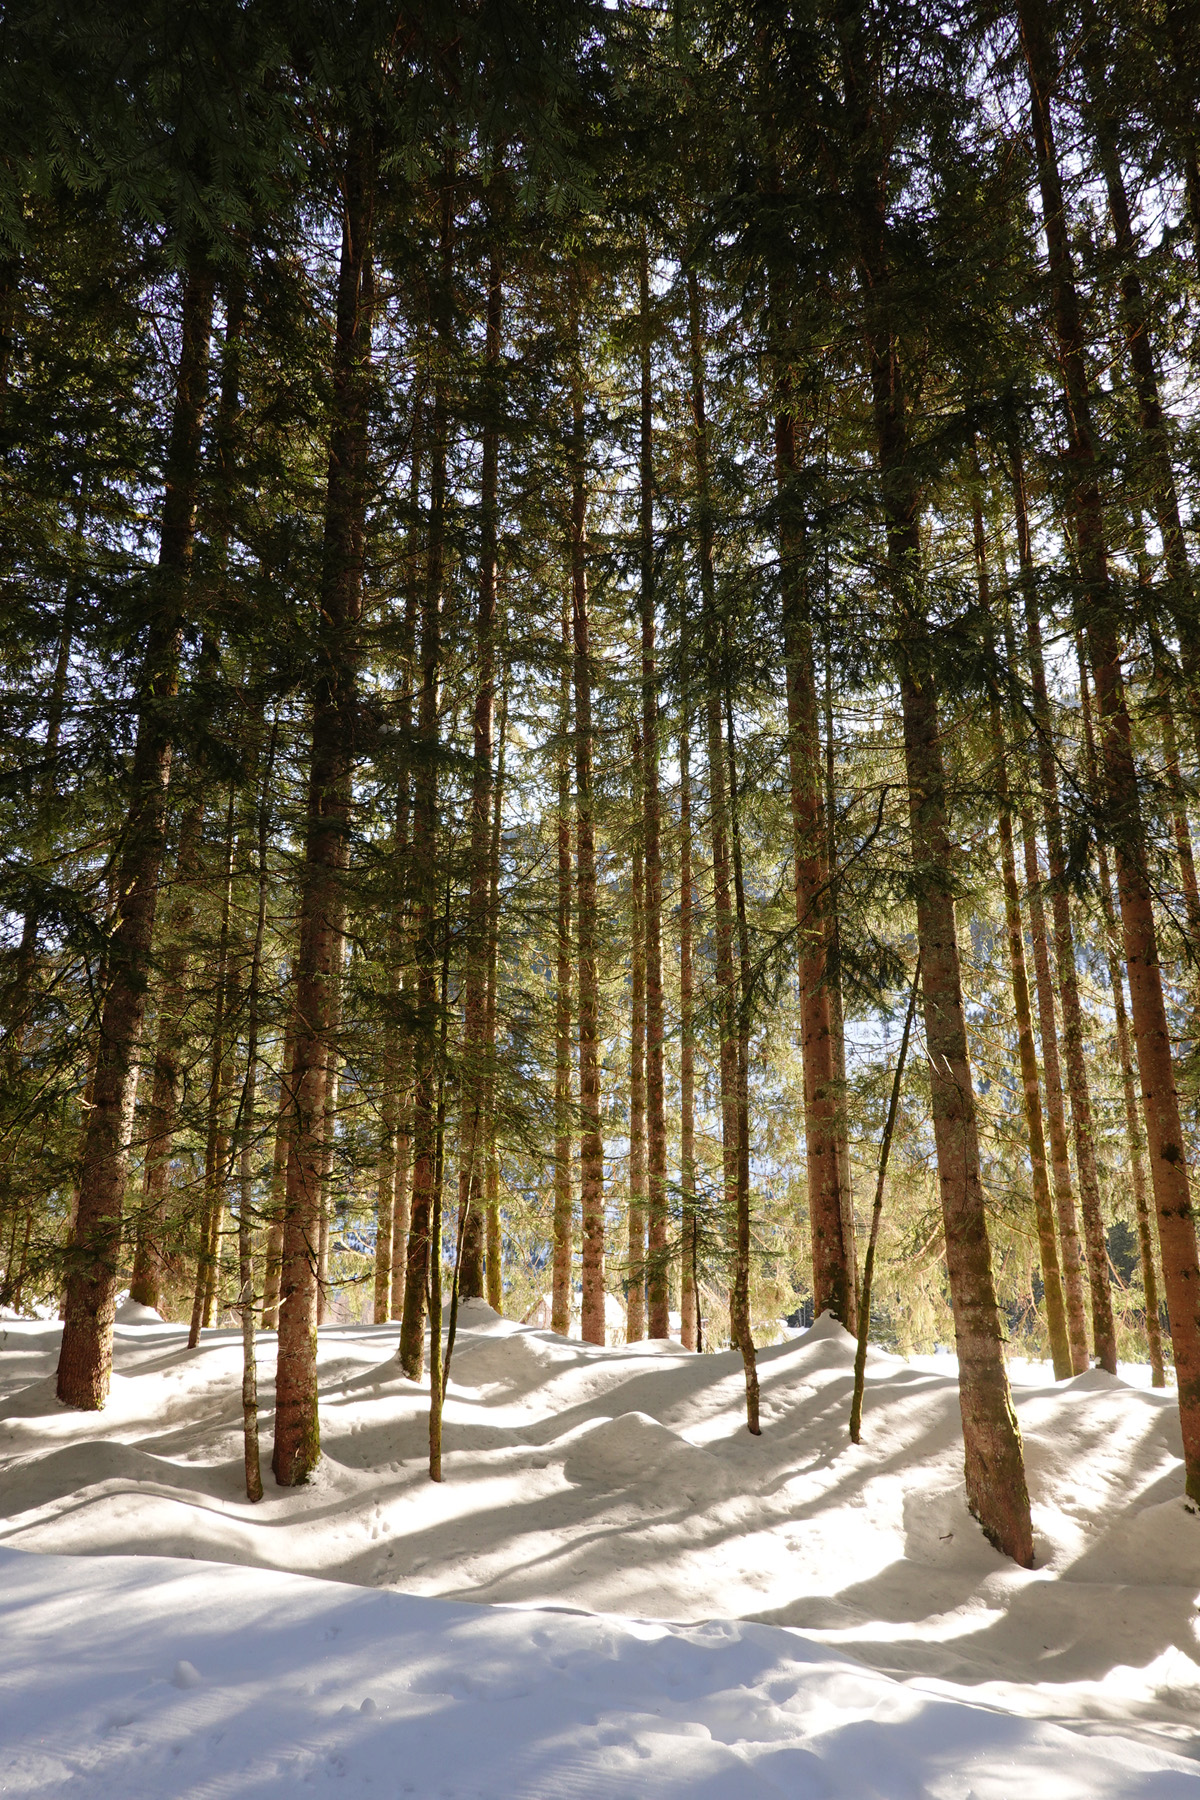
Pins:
x,y
740,1307
389,1109
885,1148
438,1369
1056,1311
474,1160
15,1276
220,1089
277,1199
16,1002
591,1142
251,1457
1099,611
85,1359
99,985
495,1238
1181,32
723,909
1073,1034
326,846
244,1130
833,1284
723,924
689,1251
994,1466
173,997
402,1052
635,1301
385,1186
402,1197
658,1275
560,1290
418,1268
1139,344
833,974
1116,983
149,1260
1056,1111
333,1081
1181,831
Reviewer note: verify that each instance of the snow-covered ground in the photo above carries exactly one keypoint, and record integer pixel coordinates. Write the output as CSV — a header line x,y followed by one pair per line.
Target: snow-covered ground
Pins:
x,y
672,1607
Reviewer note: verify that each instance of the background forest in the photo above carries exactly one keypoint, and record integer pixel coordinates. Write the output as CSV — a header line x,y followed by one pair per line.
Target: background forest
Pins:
x,y
559,562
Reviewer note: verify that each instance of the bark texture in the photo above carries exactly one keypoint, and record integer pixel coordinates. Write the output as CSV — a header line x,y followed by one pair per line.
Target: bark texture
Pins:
x,y
277,1196
217,1169
635,1293
85,1359
245,1133
1104,1334
1056,1111
591,1142
833,1280
658,1291
560,1293
420,1273
474,1149
739,1310
333,1082
385,1195
403,1049
833,973
495,1239
1156,441
150,1258
1100,618
732,1064
689,1299
1055,1304
1133,1127
326,847
994,1466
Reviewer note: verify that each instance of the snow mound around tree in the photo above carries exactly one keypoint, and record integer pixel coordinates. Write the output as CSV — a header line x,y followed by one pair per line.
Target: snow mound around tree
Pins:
x,y
636,1449
825,1329
506,1359
132,1312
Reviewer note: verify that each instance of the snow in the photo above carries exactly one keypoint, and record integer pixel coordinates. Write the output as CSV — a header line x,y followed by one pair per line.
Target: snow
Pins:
x,y
660,1604
132,1312
292,1681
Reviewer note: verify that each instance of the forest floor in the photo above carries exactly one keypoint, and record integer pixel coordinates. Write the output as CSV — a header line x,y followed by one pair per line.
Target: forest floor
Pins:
x,y
615,1592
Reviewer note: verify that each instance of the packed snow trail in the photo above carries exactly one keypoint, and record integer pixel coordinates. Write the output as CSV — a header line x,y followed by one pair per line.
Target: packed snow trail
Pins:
x,y
623,1482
